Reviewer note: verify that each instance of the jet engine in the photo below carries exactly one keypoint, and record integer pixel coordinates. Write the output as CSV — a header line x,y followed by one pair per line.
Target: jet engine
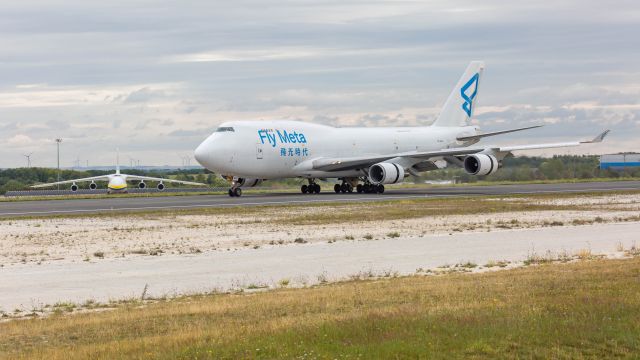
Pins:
x,y
93,186
481,164
386,173
142,185
74,187
242,182
160,186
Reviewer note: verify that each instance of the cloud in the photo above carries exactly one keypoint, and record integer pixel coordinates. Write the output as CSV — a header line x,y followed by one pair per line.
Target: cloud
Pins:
x,y
144,95
200,133
20,141
150,77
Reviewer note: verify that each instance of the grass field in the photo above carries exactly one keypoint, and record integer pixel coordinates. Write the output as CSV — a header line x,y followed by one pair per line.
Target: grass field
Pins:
x,y
588,309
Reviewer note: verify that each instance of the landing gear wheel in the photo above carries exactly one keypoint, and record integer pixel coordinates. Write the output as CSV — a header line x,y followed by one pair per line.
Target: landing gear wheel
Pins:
x,y
305,189
231,193
316,188
336,188
380,189
359,189
344,188
237,192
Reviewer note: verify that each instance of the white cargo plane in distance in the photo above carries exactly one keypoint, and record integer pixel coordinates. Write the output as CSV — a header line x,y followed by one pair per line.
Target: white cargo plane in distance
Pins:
x,y
117,183
248,152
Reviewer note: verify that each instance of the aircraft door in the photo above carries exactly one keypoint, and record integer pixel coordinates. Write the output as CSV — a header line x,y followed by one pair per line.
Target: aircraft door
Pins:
x,y
259,152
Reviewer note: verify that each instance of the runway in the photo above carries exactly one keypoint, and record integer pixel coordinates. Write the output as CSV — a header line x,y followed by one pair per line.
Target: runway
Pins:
x,y
120,204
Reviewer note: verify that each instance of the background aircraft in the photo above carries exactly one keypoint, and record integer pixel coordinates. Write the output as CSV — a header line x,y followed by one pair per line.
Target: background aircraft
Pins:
x,y
365,159
117,183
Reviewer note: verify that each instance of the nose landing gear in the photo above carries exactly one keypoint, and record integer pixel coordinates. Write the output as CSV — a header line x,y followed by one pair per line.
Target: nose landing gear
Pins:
x,y
235,190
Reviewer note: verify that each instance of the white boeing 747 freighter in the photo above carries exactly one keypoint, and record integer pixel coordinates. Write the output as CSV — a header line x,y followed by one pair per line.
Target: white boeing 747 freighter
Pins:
x,y
363,158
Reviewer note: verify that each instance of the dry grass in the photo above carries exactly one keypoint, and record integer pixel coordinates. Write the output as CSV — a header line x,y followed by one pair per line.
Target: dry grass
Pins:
x,y
584,309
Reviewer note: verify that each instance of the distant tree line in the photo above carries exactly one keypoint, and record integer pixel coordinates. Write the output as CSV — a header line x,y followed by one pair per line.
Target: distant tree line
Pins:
x,y
524,168
521,168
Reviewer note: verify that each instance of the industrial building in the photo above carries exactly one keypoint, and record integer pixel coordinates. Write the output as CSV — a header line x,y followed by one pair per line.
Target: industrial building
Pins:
x,y
620,162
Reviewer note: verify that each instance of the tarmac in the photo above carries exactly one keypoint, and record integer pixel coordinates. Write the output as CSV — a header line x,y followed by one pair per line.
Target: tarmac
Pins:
x,y
126,204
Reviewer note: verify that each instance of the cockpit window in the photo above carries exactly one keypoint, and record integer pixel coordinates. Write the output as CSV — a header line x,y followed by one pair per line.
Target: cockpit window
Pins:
x,y
225,129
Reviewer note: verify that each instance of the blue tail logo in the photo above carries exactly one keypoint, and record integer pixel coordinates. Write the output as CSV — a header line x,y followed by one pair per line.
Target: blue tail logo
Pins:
x,y
468,99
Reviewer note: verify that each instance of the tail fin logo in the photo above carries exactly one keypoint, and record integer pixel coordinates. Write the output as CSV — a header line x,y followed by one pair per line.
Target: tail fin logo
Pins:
x,y
467,106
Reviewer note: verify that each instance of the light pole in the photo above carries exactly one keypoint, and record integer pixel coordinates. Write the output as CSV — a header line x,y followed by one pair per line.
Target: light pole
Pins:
x,y
58,142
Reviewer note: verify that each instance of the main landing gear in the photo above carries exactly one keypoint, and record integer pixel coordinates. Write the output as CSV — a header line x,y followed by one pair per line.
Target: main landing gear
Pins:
x,y
370,188
367,187
312,188
345,187
235,190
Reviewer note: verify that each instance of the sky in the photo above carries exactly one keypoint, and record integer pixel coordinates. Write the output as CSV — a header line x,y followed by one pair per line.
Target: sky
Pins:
x,y
155,78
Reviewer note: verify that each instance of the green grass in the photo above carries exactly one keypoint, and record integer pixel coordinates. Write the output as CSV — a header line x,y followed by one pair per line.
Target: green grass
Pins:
x,y
589,309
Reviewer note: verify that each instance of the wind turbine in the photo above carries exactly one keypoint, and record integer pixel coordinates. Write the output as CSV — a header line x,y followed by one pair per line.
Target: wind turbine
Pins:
x,y
28,159
186,160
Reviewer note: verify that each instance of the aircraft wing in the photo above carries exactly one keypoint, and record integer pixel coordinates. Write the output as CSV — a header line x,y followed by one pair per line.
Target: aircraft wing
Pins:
x,y
362,162
95,178
484,135
147,178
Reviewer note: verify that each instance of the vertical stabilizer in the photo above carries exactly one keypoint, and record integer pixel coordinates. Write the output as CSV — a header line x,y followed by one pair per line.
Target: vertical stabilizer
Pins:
x,y
459,108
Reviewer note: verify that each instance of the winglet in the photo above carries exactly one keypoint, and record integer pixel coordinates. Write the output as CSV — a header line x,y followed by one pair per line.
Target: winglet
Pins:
x,y
598,138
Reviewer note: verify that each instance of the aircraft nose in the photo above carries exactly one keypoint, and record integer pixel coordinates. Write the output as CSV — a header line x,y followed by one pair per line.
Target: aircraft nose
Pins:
x,y
200,153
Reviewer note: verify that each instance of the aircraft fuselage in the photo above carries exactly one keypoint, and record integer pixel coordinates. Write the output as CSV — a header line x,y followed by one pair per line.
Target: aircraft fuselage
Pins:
x,y
282,149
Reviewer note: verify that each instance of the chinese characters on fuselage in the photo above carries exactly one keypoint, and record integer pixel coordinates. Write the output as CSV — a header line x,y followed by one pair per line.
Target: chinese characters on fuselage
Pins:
x,y
295,141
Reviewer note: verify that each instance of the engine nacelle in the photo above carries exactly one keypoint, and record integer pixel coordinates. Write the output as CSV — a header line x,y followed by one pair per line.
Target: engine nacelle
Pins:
x,y
160,186
74,187
242,182
386,173
481,164
93,186
142,185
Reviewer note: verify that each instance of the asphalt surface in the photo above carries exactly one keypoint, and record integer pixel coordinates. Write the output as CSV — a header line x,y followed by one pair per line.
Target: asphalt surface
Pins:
x,y
119,204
